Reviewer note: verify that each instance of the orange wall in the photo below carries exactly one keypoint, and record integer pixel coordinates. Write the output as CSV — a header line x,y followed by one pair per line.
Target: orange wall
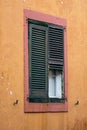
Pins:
x,y
12,65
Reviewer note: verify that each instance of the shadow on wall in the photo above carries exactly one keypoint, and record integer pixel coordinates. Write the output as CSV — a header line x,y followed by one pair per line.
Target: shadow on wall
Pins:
x,y
80,125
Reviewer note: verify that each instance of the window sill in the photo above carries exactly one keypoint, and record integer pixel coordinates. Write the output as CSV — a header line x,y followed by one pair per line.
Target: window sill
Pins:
x,y
45,107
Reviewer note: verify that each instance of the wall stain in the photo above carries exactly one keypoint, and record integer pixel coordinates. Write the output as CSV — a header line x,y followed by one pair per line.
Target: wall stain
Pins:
x,y
80,124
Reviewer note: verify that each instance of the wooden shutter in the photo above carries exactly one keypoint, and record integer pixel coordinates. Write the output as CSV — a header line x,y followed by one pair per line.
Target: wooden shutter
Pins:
x,y
56,47
38,63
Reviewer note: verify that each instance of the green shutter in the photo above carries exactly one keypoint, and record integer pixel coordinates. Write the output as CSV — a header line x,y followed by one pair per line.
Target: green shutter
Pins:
x,y
38,63
56,47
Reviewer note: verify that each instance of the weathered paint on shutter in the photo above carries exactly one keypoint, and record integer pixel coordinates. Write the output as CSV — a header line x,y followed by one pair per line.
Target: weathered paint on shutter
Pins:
x,y
56,47
38,63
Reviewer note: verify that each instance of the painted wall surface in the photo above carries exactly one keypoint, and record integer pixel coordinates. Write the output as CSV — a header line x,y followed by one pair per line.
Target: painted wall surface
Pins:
x,y
12,117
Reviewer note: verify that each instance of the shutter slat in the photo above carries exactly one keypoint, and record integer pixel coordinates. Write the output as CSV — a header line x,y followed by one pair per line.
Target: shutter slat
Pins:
x,y
56,41
56,67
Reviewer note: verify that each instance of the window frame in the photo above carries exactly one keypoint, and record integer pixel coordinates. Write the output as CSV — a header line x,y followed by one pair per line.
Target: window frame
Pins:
x,y
43,107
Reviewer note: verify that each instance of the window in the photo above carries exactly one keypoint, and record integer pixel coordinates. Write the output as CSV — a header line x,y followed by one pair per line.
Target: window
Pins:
x,y
45,63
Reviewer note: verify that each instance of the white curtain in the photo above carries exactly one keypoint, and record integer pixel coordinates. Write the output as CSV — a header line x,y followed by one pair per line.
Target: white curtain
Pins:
x,y
55,84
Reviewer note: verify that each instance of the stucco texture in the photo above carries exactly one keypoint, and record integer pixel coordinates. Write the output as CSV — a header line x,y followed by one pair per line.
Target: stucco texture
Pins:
x,y
12,117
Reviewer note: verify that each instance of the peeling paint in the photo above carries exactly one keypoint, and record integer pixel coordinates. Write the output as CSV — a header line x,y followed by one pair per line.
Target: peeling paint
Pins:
x,y
61,2
11,92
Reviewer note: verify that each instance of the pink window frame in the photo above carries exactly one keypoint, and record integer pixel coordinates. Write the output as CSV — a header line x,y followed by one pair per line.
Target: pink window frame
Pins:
x,y
42,107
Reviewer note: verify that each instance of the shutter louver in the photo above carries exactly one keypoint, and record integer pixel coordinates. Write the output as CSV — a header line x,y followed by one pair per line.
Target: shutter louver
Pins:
x,y
55,45
38,63
56,67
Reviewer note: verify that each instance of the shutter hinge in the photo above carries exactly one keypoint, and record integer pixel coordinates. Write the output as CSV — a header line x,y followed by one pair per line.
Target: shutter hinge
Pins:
x,y
65,98
27,98
65,28
26,19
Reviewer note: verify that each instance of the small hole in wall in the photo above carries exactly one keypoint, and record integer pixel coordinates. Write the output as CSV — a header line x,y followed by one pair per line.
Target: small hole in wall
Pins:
x,y
16,102
77,102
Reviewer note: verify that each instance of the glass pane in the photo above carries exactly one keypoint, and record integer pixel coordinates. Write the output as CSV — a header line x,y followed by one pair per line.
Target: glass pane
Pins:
x,y
55,84
58,85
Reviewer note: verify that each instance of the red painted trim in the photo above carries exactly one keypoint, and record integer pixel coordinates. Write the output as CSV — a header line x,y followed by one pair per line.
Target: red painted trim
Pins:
x,y
44,17
66,68
42,107
25,63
